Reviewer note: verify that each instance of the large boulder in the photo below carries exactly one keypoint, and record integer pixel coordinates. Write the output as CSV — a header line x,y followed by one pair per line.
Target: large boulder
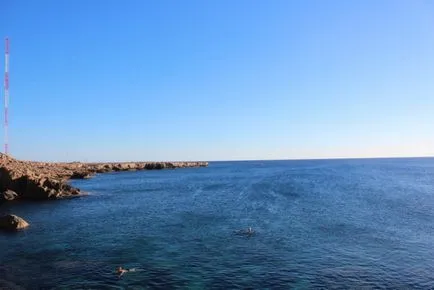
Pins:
x,y
42,188
155,165
102,168
8,195
12,223
82,175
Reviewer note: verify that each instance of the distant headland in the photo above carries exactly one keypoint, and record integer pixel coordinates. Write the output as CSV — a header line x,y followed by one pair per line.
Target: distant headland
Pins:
x,y
46,180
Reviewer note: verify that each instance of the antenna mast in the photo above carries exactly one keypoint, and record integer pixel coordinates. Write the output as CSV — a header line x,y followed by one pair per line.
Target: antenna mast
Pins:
x,y
6,95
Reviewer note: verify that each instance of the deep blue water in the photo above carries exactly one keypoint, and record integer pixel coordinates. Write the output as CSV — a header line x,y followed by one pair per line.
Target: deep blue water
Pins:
x,y
319,224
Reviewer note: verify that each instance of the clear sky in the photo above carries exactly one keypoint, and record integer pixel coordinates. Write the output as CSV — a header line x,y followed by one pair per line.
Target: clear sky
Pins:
x,y
219,80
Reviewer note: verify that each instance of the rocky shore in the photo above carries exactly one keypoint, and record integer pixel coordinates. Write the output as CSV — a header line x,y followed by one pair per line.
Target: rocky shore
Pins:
x,y
45,180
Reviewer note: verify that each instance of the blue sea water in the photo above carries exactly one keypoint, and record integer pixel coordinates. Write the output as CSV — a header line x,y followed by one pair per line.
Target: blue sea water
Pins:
x,y
366,223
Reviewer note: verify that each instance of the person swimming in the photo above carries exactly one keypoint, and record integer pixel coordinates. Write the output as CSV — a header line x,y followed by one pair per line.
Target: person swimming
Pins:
x,y
249,232
121,271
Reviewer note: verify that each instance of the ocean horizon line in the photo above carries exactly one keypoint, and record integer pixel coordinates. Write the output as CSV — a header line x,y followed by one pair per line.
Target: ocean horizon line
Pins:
x,y
324,158
222,160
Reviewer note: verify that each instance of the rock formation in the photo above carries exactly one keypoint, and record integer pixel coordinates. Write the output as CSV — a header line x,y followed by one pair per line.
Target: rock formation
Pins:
x,y
8,195
12,223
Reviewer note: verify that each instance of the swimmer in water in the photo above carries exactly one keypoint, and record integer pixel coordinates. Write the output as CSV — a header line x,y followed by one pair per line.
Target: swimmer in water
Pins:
x,y
121,271
249,232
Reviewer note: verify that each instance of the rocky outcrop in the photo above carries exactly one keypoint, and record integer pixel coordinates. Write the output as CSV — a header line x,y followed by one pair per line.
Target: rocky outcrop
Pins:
x,y
82,175
8,195
43,180
32,180
12,222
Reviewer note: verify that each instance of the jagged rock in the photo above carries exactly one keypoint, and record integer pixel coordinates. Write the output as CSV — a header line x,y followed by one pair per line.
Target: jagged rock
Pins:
x,y
12,222
157,165
8,195
82,175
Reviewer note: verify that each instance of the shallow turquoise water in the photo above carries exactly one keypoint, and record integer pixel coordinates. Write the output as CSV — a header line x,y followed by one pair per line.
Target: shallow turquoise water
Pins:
x,y
319,224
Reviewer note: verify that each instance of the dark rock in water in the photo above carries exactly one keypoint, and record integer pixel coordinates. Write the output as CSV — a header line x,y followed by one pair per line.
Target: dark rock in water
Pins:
x,y
12,223
82,175
8,195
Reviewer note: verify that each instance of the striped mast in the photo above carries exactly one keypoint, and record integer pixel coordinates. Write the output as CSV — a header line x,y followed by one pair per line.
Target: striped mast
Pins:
x,y
6,88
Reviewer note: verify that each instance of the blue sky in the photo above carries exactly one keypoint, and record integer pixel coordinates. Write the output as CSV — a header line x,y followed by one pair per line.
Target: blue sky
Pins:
x,y
219,80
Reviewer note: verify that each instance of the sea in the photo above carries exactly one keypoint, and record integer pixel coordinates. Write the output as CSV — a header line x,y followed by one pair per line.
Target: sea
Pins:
x,y
318,224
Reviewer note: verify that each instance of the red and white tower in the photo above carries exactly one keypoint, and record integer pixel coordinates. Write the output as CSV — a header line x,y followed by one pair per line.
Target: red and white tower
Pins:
x,y
6,95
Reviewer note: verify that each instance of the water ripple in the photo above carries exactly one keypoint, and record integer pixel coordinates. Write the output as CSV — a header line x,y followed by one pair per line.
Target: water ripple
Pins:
x,y
338,224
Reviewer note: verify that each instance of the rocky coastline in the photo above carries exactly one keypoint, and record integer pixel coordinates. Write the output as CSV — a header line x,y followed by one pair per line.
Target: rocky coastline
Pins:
x,y
32,180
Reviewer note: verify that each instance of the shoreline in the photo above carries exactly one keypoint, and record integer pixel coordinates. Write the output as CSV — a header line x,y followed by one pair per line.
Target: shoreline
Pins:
x,y
34,180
